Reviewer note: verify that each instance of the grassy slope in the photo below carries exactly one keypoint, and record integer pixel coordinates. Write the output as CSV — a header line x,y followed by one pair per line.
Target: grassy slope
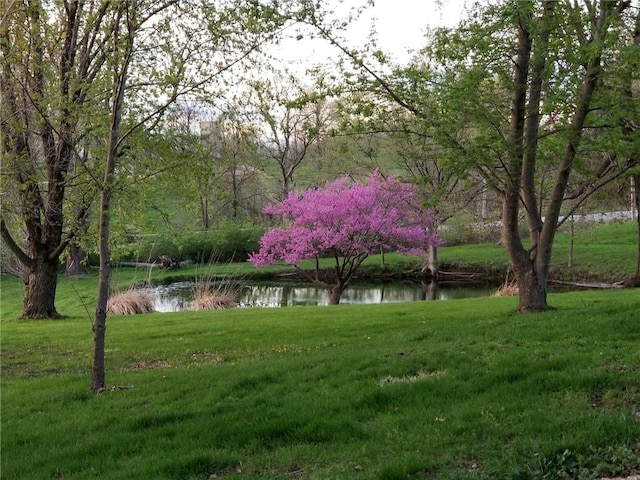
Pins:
x,y
607,251
458,389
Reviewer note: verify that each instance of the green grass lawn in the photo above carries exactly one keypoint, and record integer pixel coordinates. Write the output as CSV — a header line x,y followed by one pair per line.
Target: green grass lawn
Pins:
x,y
461,389
607,251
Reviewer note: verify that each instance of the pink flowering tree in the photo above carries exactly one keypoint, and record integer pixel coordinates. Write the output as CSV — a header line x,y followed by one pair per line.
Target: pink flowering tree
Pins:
x,y
348,221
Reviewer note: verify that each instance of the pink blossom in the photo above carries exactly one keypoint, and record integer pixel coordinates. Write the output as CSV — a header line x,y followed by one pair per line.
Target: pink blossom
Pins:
x,y
349,221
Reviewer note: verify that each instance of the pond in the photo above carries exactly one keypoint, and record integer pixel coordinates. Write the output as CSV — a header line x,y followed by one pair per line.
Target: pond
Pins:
x,y
177,296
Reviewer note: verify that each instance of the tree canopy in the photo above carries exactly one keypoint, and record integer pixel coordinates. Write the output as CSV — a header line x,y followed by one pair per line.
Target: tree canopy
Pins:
x,y
348,220
537,98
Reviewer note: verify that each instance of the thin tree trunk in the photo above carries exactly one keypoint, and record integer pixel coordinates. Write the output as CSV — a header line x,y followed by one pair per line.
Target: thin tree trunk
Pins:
x,y
98,380
571,241
204,213
432,261
636,198
633,208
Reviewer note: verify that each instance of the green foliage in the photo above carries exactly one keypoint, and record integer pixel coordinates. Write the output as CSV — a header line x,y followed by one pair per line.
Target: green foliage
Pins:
x,y
227,242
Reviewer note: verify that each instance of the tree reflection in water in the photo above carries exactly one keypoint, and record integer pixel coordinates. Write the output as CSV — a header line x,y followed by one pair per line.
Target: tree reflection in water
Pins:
x,y
175,297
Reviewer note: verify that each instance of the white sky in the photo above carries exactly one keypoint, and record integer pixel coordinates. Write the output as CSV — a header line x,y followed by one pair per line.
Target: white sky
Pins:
x,y
400,24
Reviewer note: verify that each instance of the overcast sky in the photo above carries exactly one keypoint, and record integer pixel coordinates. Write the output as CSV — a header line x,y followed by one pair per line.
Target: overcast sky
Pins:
x,y
401,25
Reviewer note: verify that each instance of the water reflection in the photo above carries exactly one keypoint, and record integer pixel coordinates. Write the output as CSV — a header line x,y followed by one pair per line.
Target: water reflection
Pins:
x,y
178,296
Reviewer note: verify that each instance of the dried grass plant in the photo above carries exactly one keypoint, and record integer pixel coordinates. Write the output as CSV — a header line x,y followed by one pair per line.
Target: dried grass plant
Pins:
x,y
130,302
508,289
214,300
210,296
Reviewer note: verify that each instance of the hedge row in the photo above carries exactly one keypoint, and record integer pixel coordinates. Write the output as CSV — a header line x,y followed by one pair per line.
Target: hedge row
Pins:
x,y
226,243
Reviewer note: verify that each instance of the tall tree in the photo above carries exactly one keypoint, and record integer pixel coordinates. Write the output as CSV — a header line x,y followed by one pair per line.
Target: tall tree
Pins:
x,y
526,63
560,62
231,144
231,32
294,120
58,64
51,55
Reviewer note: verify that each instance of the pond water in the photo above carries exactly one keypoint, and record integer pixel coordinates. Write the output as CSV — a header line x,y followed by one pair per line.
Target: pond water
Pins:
x,y
177,296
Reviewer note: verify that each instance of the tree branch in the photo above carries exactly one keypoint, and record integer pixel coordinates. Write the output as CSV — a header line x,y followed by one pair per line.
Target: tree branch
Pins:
x,y
13,246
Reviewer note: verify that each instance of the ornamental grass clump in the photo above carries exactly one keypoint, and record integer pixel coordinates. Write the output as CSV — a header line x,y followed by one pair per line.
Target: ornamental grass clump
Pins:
x,y
130,302
208,295
508,289
214,300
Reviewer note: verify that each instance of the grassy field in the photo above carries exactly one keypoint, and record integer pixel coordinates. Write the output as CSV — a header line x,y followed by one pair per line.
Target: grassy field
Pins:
x,y
460,389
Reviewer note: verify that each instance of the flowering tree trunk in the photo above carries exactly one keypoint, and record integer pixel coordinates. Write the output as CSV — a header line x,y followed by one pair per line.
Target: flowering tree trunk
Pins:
x,y
336,293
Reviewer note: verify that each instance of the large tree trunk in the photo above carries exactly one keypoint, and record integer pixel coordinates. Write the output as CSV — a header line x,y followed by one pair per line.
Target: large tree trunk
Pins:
x,y
532,292
40,290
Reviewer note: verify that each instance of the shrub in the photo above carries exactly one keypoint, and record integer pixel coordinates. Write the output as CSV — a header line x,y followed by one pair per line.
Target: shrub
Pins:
x,y
227,242
508,289
210,296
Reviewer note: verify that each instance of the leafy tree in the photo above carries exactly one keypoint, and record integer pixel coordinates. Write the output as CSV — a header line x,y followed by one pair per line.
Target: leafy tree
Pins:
x,y
59,62
557,65
348,221
293,120
521,89
232,145
214,38
51,55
